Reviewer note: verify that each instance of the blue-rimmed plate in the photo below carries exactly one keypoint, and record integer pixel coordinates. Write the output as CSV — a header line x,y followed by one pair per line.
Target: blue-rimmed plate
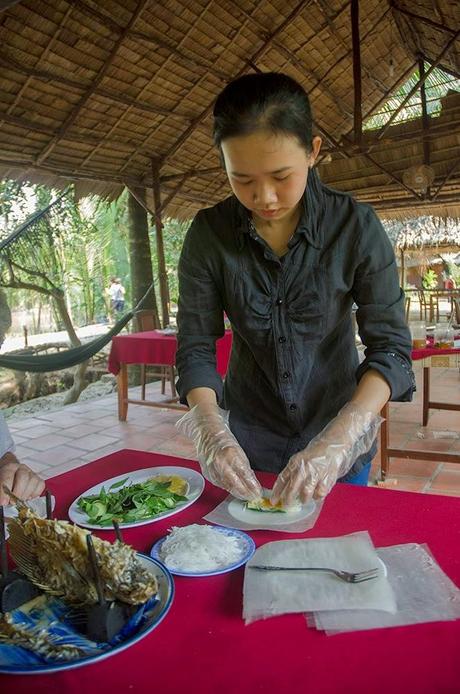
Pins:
x,y
152,619
248,548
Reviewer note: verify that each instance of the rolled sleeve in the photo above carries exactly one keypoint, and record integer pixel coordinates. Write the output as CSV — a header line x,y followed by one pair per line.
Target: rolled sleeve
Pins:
x,y
381,313
200,314
6,440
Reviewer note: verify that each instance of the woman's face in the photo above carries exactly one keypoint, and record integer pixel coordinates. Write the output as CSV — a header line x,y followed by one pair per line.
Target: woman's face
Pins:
x,y
268,172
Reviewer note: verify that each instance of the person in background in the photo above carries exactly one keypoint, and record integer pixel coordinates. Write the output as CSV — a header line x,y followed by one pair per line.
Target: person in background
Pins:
x,y
116,293
285,257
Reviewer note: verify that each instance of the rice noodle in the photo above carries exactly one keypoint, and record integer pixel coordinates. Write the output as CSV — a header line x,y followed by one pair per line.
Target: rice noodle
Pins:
x,y
199,548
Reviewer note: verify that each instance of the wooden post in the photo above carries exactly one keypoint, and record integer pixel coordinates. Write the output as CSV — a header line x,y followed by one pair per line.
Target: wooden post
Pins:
x,y
164,291
426,395
384,443
358,117
425,119
403,268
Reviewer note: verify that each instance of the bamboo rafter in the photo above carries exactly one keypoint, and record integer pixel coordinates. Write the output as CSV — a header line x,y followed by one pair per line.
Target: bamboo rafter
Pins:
x,y
417,86
260,51
203,77
255,57
420,18
42,57
46,76
192,126
191,63
451,171
73,115
165,74
331,26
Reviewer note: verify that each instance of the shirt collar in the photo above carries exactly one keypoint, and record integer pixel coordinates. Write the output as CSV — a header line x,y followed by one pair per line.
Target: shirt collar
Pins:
x,y
310,221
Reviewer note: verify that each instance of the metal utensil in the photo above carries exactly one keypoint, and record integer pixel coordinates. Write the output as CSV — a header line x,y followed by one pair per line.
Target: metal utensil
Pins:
x,y
347,576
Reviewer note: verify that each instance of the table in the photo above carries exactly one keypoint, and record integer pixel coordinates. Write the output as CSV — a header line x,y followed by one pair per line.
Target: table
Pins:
x,y
431,358
153,347
437,294
203,646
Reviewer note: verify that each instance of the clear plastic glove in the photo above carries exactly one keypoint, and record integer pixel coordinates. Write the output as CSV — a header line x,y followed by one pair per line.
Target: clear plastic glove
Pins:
x,y
223,461
313,471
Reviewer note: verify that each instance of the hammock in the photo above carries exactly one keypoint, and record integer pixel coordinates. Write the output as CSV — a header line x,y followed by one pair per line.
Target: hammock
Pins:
x,y
63,360
24,242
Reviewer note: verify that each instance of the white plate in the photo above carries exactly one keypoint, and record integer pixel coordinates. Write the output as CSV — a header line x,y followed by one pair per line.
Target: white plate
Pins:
x,y
248,548
194,480
155,616
238,510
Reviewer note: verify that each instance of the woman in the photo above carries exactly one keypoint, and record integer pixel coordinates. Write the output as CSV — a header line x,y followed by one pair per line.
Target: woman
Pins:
x,y
285,257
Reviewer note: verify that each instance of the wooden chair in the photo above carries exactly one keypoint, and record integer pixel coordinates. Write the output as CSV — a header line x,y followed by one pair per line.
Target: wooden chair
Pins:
x,y
456,310
147,320
424,304
407,307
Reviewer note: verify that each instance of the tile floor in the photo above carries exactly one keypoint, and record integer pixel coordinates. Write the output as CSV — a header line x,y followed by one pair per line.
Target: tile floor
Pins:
x,y
54,442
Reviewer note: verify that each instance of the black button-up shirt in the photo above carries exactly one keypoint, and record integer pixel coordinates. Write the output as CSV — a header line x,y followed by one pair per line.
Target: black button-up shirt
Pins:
x,y
294,362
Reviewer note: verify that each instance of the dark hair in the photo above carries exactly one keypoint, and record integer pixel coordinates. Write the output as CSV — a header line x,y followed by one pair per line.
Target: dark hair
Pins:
x,y
265,101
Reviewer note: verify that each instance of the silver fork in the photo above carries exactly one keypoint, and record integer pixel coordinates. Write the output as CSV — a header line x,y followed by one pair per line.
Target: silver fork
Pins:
x,y
347,576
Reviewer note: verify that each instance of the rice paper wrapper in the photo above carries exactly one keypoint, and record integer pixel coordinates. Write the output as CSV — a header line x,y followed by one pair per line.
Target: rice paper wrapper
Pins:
x,y
270,593
424,593
232,513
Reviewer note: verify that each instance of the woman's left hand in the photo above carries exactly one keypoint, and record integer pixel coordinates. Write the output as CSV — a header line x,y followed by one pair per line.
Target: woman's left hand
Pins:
x,y
20,479
313,471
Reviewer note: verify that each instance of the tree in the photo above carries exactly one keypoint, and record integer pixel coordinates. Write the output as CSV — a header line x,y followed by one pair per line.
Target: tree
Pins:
x,y
33,259
5,316
140,253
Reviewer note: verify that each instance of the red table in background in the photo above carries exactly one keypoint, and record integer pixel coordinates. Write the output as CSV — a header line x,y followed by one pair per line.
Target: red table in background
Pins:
x,y
431,358
153,347
203,646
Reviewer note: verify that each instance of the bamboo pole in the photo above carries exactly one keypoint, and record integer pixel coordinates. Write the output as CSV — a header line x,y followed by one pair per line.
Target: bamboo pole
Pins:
x,y
425,119
403,268
164,291
357,112
420,18
433,66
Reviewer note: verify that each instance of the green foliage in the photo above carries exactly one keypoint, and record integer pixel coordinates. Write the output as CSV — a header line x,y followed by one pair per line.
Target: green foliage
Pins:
x,y
430,279
454,271
76,247
79,246
173,237
437,85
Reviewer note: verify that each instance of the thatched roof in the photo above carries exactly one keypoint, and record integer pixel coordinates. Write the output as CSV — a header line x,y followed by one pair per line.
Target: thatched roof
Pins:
x,y
424,233
92,92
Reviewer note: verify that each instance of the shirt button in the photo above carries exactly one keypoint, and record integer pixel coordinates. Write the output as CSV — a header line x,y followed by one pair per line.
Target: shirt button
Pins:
x,y
293,407
282,339
286,374
279,302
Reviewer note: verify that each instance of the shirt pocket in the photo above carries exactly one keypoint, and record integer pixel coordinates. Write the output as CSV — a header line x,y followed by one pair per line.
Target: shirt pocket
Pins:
x,y
307,305
248,301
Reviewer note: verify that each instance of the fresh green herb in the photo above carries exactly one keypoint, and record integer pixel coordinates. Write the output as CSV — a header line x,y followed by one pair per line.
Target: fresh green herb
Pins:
x,y
133,502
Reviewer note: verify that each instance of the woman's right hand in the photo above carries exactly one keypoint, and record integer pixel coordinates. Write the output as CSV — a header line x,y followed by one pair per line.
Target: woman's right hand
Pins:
x,y
223,461
230,469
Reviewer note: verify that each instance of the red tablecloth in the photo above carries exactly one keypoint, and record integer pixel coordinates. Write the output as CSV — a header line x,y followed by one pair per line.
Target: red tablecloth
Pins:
x,y
203,647
432,352
154,347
